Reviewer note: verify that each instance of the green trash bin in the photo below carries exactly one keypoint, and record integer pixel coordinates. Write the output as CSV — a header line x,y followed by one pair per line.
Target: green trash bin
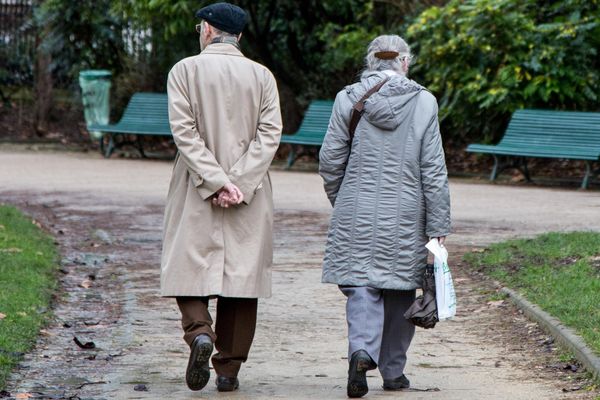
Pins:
x,y
95,92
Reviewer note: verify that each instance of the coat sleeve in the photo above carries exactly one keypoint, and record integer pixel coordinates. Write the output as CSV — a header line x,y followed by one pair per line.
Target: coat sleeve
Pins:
x,y
250,169
206,173
434,178
335,150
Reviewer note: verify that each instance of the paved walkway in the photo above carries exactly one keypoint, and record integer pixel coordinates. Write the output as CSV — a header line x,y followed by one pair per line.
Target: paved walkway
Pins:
x,y
107,216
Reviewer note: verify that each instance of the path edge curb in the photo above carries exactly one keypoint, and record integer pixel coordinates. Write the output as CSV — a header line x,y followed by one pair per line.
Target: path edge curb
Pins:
x,y
566,336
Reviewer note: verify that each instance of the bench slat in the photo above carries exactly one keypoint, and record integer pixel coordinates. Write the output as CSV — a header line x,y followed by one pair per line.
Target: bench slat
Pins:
x,y
547,133
145,114
570,135
314,124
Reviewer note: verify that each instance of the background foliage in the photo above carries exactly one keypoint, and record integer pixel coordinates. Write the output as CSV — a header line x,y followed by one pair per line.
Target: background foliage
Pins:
x,y
81,35
486,58
482,58
313,47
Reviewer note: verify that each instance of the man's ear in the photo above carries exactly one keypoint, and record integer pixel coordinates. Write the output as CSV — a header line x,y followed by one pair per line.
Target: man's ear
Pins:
x,y
208,30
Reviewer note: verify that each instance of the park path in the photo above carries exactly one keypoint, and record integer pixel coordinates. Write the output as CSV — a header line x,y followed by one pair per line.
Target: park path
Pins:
x,y
106,215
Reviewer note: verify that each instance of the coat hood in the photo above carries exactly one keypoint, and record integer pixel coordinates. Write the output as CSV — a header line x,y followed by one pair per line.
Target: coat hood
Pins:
x,y
387,108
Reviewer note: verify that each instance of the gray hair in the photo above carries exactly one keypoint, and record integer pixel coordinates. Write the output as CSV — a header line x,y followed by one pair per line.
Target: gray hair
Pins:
x,y
219,32
387,52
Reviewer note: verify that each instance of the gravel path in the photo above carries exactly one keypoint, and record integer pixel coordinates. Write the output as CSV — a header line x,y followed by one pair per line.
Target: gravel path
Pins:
x,y
106,215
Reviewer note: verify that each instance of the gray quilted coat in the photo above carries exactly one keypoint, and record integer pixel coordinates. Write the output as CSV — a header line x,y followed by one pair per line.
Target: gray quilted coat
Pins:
x,y
393,195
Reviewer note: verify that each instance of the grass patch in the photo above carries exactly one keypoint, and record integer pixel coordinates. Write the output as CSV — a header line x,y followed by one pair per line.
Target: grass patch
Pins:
x,y
558,271
28,261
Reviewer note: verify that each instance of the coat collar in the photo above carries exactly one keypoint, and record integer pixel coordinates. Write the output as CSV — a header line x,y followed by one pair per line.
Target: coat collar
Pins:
x,y
222,48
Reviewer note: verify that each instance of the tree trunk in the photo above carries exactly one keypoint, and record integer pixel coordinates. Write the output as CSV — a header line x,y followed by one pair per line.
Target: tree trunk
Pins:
x,y
42,89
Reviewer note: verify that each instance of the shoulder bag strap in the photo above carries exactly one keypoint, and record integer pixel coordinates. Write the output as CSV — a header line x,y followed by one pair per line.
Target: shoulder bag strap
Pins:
x,y
359,107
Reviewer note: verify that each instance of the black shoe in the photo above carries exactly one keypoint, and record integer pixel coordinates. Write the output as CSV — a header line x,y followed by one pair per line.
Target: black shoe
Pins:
x,y
360,363
399,383
198,370
225,384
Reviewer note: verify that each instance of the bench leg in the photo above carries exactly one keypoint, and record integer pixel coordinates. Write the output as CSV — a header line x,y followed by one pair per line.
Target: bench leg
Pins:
x,y
101,143
586,178
107,144
140,145
519,163
291,157
496,169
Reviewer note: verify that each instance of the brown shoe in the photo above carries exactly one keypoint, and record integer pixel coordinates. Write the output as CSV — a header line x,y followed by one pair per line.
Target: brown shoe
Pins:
x,y
225,384
198,370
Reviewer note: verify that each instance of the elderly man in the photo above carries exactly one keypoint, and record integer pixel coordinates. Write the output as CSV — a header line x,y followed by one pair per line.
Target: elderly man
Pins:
x,y
226,122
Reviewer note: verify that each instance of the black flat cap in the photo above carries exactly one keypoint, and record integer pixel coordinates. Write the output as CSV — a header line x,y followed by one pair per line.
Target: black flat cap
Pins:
x,y
224,16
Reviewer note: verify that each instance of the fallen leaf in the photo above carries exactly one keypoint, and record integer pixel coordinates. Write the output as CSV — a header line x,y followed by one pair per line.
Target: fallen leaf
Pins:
x,y
86,283
496,303
39,253
23,396
2,316
36,223
11,250
86,345
2,227
22,313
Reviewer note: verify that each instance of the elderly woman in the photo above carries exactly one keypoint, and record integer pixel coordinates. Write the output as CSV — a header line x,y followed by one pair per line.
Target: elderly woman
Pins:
x,y
389,190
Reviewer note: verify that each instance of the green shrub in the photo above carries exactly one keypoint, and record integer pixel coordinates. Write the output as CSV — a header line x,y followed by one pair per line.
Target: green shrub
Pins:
x,y
486,58
81,35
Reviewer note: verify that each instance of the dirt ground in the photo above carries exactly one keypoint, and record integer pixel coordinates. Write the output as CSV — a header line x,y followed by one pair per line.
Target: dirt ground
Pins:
x,y
106,216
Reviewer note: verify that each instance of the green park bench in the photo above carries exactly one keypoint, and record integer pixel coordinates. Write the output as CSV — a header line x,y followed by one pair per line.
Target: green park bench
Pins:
x,y
309,137
146,114
567,135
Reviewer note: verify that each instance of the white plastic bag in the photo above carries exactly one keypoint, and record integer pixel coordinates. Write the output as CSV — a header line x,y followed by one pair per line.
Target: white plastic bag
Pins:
x,y
444,288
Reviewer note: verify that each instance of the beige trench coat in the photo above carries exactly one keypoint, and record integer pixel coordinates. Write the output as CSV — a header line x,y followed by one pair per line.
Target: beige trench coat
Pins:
x,y
226,122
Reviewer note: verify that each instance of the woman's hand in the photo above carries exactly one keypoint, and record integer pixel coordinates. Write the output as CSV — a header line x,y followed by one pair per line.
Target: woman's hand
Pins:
x,y
441,240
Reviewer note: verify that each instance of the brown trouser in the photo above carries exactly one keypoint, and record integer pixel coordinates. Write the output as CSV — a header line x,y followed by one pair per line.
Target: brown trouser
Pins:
x,y
234,330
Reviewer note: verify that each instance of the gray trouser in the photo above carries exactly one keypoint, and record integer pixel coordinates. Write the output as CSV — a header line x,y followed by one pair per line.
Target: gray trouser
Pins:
x,y
377,325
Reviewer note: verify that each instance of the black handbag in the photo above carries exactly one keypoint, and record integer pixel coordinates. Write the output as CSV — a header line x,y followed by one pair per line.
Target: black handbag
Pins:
x,y
423,311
